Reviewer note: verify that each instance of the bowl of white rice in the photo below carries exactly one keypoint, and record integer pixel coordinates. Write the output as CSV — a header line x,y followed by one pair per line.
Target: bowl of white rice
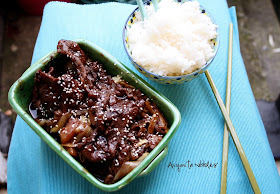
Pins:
x,y
174,44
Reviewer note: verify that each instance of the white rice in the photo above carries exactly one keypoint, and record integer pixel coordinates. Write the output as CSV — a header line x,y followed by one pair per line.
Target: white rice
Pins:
x,y
173,41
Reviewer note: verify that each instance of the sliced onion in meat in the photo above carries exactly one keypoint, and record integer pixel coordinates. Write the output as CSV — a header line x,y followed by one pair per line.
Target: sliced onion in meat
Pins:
x,y
86,133
141,142
41,122
69,145
149,107
82,123
61,123
81,112
127,167
72,151
126,84
152,124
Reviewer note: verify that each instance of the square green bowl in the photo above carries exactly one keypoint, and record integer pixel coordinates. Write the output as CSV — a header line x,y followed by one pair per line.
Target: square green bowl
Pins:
x,y
20,96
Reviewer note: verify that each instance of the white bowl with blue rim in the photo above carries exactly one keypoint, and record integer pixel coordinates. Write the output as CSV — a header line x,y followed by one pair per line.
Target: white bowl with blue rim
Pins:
x,y
168,79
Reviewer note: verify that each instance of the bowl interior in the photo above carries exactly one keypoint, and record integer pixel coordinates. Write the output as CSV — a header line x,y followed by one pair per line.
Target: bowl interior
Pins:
x,y
20,98
130,21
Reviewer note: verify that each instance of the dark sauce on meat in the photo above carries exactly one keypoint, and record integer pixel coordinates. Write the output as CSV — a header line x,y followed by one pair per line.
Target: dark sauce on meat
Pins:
x,y
108,126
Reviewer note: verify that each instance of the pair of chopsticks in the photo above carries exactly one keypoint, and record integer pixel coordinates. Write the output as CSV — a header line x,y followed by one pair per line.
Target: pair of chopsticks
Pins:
x,y
229,126
225,111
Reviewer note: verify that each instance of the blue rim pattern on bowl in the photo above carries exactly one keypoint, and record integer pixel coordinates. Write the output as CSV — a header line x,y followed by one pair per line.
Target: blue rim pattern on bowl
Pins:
x,y
169,79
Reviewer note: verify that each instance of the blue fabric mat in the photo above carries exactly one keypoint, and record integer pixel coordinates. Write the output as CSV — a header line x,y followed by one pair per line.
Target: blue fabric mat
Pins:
x,y
34,168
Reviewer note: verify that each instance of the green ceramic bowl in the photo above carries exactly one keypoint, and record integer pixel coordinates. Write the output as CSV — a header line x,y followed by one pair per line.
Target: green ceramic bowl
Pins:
x,y
20,98
167,79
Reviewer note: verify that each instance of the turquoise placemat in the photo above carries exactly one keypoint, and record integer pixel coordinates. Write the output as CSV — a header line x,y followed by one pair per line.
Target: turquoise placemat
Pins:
x,y
34,168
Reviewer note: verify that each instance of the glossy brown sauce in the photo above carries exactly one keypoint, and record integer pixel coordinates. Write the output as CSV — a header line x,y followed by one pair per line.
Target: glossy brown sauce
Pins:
x,y
108,126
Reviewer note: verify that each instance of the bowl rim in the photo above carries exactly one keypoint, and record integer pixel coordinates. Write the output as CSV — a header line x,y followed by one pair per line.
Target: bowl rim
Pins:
x,y
196,72
62,152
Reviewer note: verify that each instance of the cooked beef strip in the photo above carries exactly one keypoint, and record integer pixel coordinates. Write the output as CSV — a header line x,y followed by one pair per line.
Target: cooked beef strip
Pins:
x,y
117,115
